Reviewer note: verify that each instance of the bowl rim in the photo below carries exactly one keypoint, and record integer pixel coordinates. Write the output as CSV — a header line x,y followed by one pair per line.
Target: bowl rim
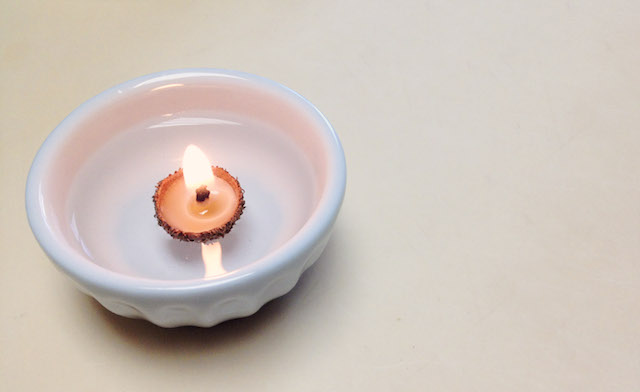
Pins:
x,y
93,276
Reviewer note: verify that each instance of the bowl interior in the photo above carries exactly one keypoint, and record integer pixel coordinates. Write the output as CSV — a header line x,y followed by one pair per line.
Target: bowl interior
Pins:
x,y
102,163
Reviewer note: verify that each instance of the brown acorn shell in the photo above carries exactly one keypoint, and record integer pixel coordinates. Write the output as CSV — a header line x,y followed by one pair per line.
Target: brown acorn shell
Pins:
x,y
205,236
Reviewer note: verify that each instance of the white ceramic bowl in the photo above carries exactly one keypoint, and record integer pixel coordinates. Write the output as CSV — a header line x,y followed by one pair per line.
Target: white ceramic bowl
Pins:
x,y
88,194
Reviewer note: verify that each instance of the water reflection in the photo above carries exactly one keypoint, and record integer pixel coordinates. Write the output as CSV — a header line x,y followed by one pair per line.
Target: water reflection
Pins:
x,y
212,258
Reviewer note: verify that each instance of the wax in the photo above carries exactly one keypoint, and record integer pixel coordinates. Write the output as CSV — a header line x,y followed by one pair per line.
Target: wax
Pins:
x,y
181,210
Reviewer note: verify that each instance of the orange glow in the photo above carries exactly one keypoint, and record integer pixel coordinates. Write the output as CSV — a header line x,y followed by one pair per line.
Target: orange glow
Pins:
x,y
196,168
168,86
212,258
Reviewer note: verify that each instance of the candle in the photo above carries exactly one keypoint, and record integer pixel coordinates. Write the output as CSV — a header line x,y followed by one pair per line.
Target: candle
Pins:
x,y
198,202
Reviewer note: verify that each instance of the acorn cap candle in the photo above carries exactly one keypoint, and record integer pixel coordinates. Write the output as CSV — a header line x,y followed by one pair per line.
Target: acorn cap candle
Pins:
x,y
198,204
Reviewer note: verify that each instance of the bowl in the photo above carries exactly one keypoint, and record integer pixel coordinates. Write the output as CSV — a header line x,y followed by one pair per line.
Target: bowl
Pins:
x,y
90,187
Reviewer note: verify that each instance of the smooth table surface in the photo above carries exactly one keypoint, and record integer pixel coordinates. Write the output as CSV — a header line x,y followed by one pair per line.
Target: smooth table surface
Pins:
x,y
489,238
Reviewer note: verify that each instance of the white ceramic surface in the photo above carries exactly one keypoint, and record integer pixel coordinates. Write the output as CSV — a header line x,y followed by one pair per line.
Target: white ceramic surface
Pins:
x,y
89,193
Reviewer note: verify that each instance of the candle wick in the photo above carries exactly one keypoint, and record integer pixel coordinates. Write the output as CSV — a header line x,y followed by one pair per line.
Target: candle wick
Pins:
x,y
202,193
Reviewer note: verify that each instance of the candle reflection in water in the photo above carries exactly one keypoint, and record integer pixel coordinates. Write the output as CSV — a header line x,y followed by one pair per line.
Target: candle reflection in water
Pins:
x,y
212,258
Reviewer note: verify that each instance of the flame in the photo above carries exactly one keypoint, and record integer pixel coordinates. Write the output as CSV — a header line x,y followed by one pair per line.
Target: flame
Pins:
x,y
196,168
212,258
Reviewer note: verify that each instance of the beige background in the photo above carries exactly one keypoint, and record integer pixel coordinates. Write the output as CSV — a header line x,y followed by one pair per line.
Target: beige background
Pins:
x,y
489,236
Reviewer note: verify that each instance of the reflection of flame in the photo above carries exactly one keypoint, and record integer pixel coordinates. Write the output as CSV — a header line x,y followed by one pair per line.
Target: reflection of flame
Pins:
x,y
196,168
212,258
168,86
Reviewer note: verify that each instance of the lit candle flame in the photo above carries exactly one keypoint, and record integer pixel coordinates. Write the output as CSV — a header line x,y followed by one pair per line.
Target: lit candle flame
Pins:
x,y
212,258
196,168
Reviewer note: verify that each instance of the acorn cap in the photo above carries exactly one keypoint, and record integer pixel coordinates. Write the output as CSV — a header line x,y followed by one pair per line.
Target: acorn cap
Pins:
x,y
213,233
